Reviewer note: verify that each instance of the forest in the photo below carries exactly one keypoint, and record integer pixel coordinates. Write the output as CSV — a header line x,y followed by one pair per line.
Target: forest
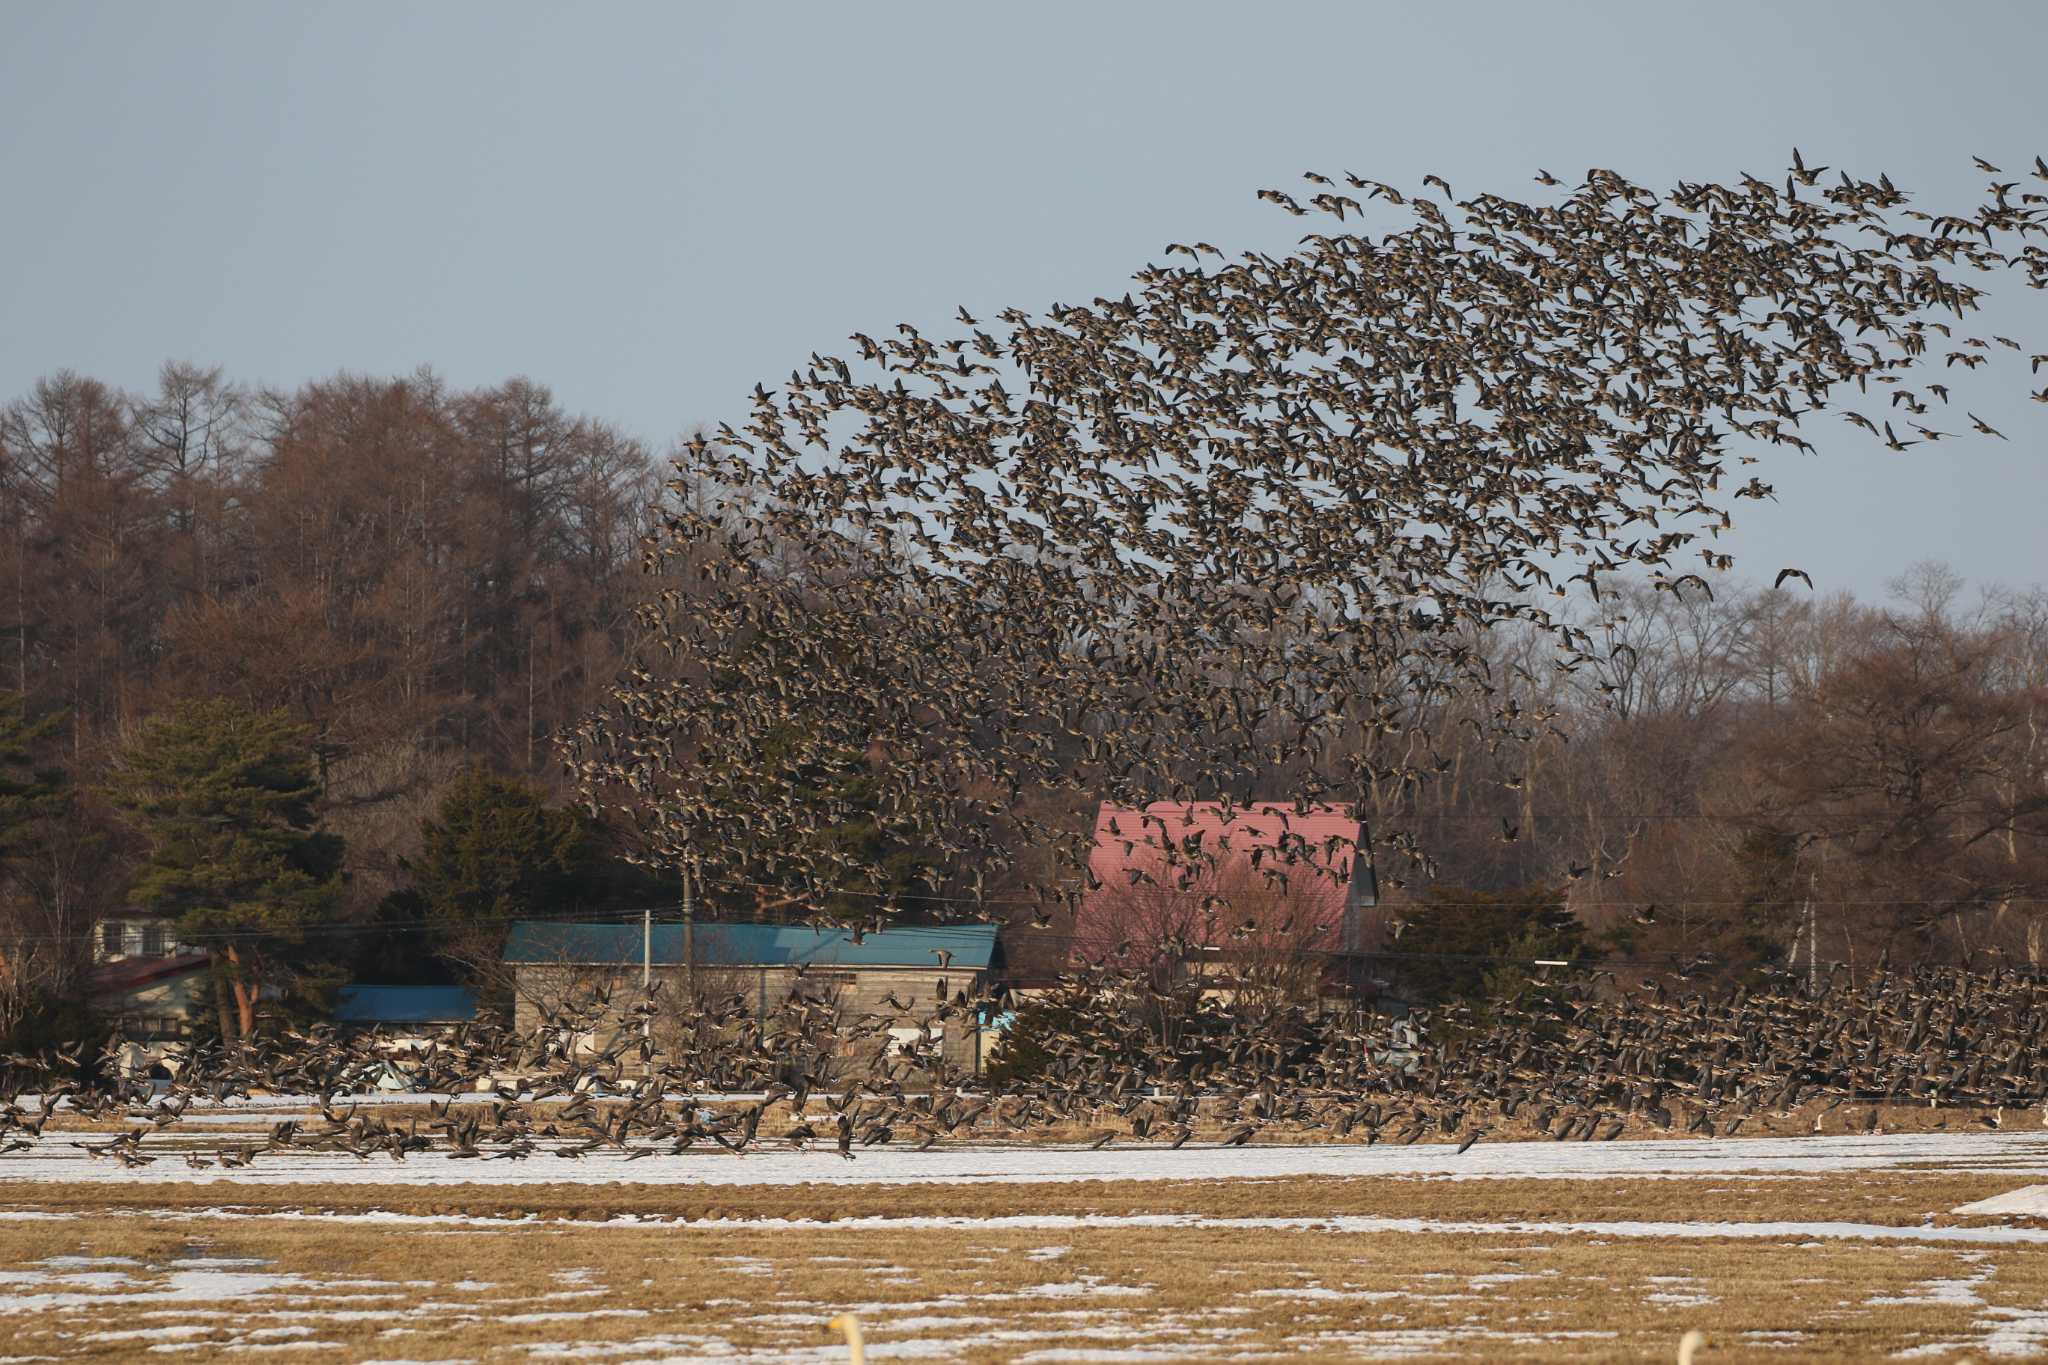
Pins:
x,y
425,587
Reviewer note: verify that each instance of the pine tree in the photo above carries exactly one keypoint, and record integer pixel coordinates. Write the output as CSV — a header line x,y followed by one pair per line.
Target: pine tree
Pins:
x,y
226,799
35,969
1479,946
495,851
29,794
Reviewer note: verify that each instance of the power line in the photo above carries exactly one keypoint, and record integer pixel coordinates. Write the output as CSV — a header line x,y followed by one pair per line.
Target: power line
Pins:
x,y
1295,952
1157,893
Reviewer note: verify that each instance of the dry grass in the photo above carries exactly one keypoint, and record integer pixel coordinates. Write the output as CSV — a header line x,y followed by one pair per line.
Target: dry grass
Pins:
x,y
521,1273
1900,1199
360,1291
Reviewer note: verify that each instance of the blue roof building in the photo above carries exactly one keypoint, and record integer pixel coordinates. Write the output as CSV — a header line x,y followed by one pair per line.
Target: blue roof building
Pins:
x,y
959,947
896,976
404,1006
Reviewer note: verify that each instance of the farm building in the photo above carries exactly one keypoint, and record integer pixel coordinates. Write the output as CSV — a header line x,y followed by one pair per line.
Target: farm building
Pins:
x,y
900,974
1228,891
150,1001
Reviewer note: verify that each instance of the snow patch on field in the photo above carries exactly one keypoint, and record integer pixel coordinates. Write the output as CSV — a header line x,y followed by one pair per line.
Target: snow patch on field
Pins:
x,y
1679,1291
2029,1201
1781,1338
1806,1234
53,1158
2006,1332
1961,1292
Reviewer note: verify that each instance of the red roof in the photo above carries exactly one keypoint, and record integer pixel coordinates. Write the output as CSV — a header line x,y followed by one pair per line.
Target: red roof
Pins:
x,y
1197,873
133,973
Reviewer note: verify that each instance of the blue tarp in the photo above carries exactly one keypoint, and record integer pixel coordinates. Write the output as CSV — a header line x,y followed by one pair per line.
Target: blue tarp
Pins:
x,y
404,1005
969,947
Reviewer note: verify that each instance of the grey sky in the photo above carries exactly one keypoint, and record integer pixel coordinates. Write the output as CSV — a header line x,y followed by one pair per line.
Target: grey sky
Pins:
x,y
650,208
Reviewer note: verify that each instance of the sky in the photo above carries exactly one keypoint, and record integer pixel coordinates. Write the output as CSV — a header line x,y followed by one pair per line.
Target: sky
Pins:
x,y
650,208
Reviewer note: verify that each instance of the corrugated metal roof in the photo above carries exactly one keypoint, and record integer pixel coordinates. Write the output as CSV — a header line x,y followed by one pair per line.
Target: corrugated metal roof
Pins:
x,y
404,1005
970,946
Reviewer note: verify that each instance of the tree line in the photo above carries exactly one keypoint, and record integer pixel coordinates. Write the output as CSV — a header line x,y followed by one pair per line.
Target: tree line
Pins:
x,y
1764,777
406,585
389,597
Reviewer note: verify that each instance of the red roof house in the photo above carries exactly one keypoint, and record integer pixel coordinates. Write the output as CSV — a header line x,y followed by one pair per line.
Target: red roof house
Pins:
x,y
1175,879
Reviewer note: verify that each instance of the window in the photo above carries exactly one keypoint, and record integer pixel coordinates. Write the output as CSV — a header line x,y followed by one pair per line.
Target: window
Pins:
x,y
155,939
110,938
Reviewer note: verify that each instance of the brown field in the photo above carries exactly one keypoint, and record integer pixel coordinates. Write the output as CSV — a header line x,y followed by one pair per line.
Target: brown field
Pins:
x,y
89,1272
1888,1197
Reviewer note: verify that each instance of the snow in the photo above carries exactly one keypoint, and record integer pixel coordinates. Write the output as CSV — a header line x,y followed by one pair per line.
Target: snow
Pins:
x,y
187,1282
53,1158
1087,1287
1818,1232
174,1333
89,1279
571,1315
1679,1291
1812,1234
2030,1201
2015,1331
1960,1293
746,1265
2007,1332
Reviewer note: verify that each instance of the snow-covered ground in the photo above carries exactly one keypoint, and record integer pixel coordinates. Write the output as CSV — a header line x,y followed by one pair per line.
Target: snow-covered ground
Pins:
x,y
2030,1202
56,1157
1816,1231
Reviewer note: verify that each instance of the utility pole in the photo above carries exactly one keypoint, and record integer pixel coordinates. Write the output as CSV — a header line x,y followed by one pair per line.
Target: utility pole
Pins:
x,y
1812,954
689,937
1813,927
646,980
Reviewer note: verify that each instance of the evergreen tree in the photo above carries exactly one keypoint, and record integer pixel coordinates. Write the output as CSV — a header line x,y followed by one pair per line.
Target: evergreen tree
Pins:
x,y
1480,946
864,862
29,794
37,967
226,799
495,851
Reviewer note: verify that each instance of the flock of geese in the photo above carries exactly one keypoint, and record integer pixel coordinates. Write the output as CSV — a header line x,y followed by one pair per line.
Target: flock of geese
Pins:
x,y
1230,532
1234,531
1580,1062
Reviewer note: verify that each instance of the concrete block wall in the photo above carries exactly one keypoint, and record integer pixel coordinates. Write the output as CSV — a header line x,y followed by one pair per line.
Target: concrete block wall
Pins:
x,y
901,995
